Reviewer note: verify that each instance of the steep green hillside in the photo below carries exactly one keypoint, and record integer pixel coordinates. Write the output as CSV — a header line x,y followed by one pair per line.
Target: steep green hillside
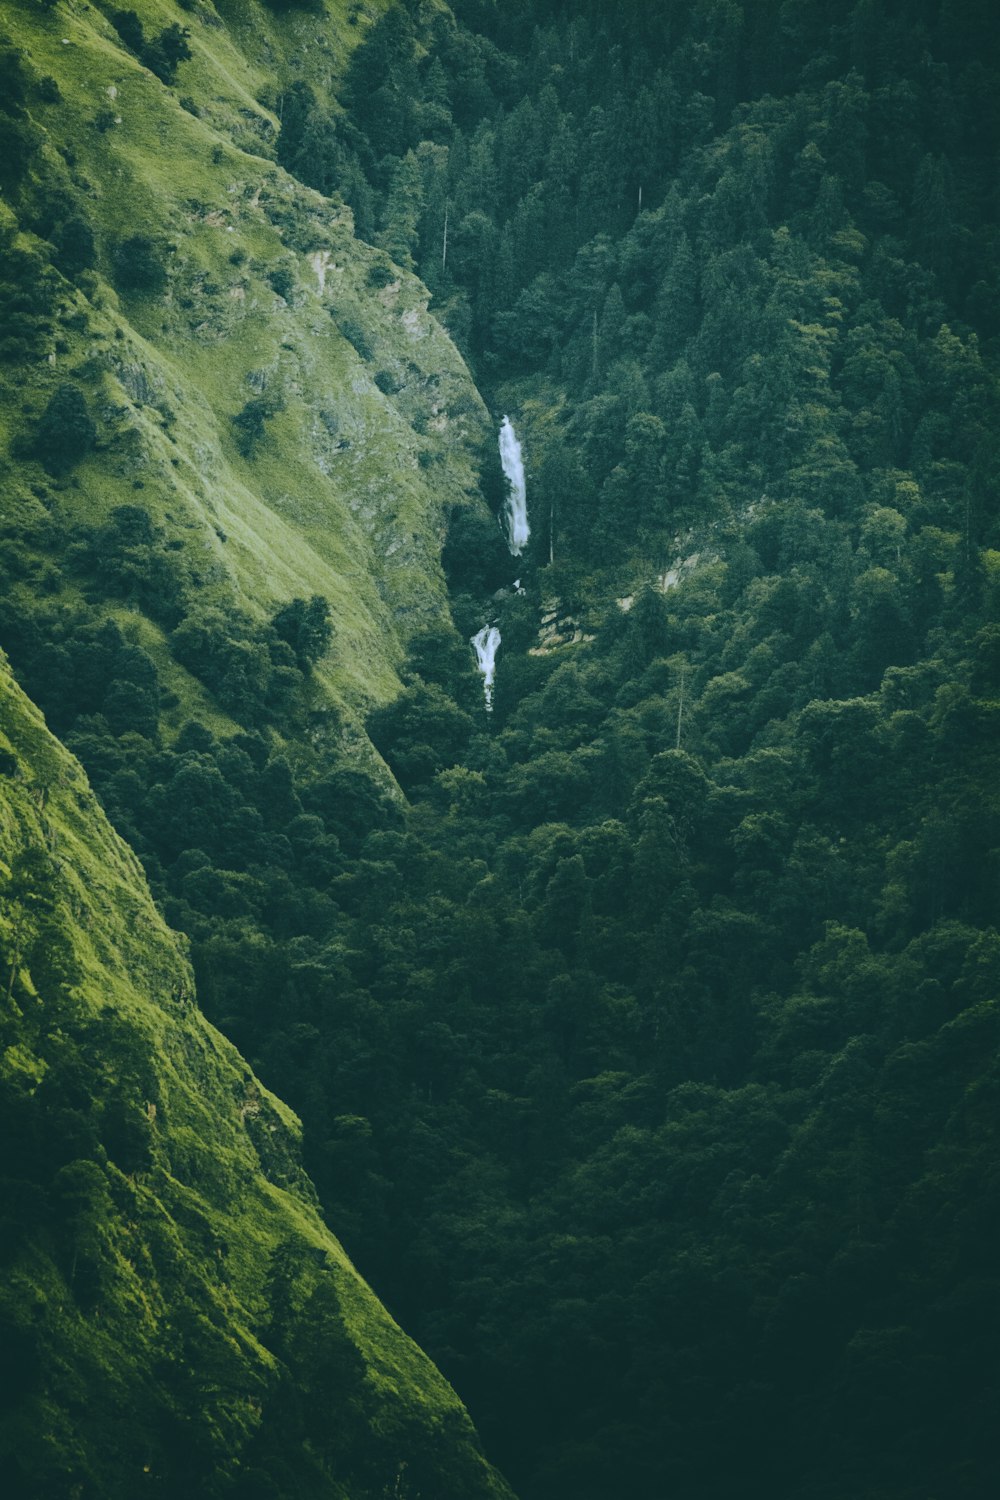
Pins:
x,y
644,1032
176,1317
269,390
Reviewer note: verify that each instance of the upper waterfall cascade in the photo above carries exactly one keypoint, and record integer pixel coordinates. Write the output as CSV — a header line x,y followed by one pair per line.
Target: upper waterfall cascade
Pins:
x,y
518,530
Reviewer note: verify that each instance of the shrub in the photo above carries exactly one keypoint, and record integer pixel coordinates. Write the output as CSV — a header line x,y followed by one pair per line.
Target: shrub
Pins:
x,y
355,335
27,293
282,281
19,139
129,28
166,52
163,54
74,246
65,431
140,263
249,422
305,625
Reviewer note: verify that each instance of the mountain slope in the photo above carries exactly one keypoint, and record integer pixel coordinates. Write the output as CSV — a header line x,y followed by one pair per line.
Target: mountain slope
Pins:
x,y
645,1049
268,389
176,1314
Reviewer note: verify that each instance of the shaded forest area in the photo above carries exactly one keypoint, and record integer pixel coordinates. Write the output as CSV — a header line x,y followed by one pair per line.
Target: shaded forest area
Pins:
x,y
648,1054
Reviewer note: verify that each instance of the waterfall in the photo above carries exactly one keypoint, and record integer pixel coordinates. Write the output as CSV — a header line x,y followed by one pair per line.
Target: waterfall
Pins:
x,y
486,643
517,507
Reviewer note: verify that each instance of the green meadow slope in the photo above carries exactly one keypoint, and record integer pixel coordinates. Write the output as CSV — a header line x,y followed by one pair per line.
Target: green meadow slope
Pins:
x,y
270,390
175,1316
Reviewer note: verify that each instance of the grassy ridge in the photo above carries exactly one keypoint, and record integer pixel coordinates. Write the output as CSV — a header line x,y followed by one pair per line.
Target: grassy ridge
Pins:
x,y
175,1311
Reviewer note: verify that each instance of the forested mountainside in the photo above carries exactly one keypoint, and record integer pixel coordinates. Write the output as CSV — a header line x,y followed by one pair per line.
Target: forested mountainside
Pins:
x,y
176,1317
644,1029
205,439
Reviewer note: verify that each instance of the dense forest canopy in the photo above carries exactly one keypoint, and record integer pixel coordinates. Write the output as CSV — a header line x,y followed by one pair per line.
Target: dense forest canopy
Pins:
x,y
646,1046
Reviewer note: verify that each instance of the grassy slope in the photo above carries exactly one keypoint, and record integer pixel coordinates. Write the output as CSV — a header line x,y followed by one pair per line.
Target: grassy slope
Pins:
x,y
344,495
178,1307
179,1233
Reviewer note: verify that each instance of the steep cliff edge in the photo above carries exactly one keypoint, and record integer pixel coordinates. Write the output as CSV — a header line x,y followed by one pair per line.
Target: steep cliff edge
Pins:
x,y
176,1316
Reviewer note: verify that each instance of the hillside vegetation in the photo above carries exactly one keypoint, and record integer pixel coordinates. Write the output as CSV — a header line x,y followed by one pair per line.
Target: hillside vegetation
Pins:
x,y
267,389
176,1317
646,1045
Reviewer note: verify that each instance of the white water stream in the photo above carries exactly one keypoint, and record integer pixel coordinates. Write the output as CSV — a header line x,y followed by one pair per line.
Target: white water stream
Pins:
x,y
486,643
517,504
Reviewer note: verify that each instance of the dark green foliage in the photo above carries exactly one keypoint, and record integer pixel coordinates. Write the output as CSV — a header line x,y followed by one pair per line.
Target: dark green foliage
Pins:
x,y
164,54
74,246
356,336
475,557
318,147
18,143
19,137
140,263
157,1233
250,422
282,280
65,432
129,28
296,108
421,733
252,673
27,296
167,51
13,79
79,667
683,985
128,559
161,54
